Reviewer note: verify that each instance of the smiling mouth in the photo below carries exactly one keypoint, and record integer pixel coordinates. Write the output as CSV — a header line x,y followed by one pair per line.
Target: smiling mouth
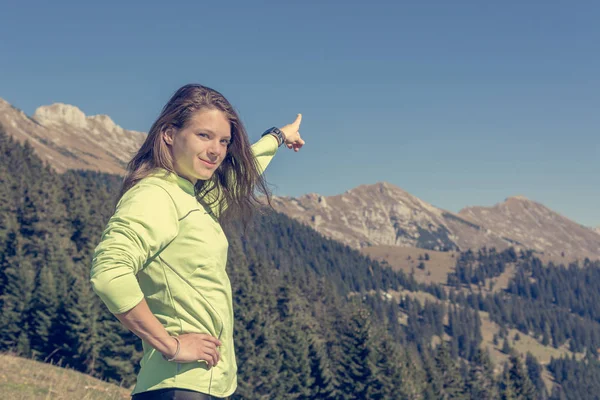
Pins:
x,y
208,163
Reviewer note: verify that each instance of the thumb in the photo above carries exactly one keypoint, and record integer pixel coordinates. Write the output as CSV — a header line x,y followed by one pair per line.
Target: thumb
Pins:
x,y
298,121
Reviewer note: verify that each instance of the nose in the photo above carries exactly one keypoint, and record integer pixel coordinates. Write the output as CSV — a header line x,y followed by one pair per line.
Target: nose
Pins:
x,y
214,150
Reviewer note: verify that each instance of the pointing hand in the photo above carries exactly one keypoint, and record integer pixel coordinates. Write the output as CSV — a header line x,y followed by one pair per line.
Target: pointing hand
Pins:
x,y
292,134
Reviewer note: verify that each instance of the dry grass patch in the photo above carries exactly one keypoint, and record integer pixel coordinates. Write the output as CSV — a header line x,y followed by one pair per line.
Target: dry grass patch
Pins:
x,y
406,259
25,379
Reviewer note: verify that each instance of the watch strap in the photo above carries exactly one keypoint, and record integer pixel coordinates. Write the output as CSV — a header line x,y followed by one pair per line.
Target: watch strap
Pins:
x,y
277,133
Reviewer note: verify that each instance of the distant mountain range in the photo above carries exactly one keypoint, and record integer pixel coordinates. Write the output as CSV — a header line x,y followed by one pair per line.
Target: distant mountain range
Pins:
x,y
368,215
383,214
66,138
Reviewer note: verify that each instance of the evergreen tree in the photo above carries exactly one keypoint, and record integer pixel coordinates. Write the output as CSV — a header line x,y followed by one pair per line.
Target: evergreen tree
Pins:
x,y
255,322
43,311
119,350
321,371
294,371
524,388
507,389
534,370
451,382
389,376
480,381
356,372
76,334
506,349
19,277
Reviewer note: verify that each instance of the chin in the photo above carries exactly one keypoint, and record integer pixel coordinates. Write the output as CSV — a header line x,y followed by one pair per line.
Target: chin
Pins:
x,y
204,176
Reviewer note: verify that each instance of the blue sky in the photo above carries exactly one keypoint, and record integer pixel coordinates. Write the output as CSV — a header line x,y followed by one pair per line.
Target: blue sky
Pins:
x,y
459,103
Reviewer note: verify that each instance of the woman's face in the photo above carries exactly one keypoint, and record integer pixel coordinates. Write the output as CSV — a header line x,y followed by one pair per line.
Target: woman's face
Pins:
x,y
201,145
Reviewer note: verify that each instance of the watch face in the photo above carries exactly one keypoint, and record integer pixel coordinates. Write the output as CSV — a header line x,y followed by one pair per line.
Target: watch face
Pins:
x,y
277,133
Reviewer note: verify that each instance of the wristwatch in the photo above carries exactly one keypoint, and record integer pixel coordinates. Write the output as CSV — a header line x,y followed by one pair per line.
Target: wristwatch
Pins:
x,y
277,133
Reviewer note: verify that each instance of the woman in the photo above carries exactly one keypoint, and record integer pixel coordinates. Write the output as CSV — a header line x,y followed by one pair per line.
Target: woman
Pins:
x,y
160,265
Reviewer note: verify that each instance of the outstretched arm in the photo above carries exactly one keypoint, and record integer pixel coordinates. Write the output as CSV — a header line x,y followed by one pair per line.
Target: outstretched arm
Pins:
x,y
264,150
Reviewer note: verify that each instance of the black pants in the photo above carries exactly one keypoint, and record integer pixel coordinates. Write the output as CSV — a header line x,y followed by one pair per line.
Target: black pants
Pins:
x,y
173,394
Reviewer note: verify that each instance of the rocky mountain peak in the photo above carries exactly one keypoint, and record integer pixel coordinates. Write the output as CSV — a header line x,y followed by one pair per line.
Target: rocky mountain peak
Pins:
x,y
104,120
381,187
60,113
517,198
379,214
68,139
536,226
515,203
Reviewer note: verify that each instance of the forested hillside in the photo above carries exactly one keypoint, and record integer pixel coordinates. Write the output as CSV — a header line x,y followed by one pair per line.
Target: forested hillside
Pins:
x,y
314,318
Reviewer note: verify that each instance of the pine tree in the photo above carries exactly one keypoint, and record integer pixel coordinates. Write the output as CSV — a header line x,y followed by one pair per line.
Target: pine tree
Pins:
x,y
452,385
534,370
480,381
392,377
257,353
76,336
43,311
434,383
524,388
506,349
356,370
324,381
294,371
507,389
119,350
8,220
19,277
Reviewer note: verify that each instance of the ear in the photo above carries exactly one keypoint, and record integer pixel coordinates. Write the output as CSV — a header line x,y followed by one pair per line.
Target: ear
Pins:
x,y
167,135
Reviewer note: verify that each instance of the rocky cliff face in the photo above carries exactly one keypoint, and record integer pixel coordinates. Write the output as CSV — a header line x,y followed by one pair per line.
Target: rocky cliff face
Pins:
x,y
66,138
383,214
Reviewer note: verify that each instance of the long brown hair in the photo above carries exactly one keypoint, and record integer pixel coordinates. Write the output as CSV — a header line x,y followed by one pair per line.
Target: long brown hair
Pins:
x,y
231,189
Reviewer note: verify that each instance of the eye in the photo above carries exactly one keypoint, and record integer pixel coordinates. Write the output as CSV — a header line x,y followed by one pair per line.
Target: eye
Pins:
x,y
226,142
203,135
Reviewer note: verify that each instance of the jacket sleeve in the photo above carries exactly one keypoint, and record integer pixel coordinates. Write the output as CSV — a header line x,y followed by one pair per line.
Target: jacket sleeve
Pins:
x,y
145,221
264,150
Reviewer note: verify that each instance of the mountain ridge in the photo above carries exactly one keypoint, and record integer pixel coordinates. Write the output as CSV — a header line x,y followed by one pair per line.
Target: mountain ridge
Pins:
x,y
385,214
63,136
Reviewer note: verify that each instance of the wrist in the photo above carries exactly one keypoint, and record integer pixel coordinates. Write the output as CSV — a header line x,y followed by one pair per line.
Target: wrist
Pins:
x,y
277,134
279,143
173,350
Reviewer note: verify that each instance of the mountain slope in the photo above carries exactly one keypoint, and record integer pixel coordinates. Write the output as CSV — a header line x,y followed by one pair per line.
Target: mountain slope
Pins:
x,y
66,138
537,227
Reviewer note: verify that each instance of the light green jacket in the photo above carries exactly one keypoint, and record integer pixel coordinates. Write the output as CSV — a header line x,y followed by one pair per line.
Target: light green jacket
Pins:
x,y
163,245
